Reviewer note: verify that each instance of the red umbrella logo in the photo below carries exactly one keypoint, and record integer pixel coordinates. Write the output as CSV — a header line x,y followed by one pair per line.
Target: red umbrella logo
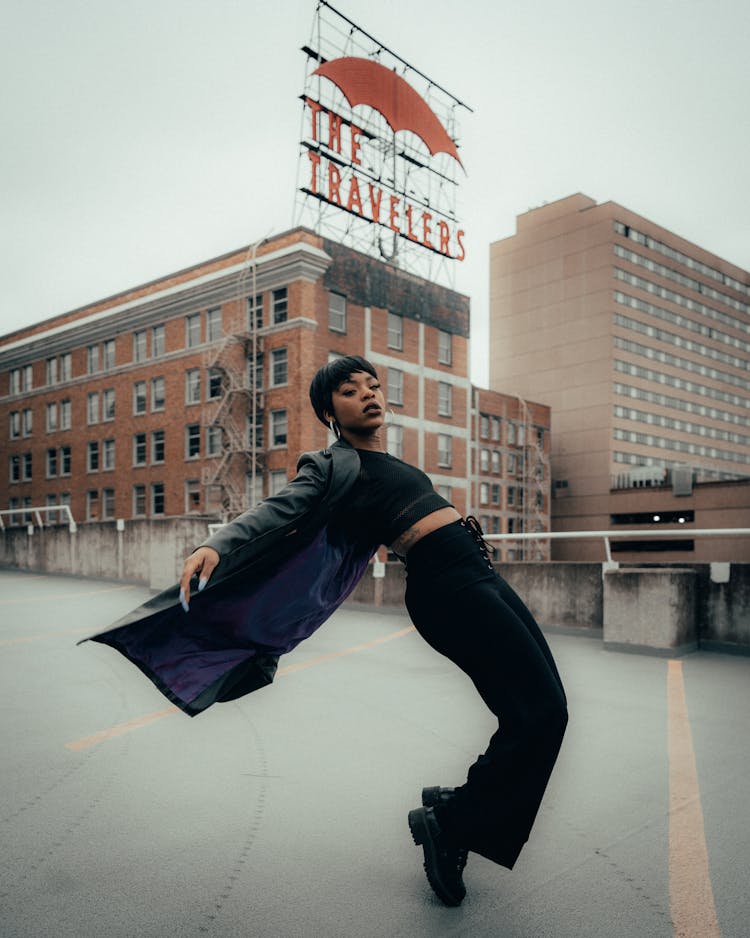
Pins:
x,y
363,81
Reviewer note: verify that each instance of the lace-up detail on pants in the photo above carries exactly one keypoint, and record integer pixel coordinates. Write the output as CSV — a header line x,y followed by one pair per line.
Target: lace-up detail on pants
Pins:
x,y
474,528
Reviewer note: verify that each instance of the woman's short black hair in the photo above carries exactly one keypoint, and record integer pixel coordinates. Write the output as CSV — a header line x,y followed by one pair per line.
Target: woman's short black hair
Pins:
x,y
332,376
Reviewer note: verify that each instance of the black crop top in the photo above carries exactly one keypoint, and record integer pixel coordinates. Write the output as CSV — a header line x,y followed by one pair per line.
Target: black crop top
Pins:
x,y
388,498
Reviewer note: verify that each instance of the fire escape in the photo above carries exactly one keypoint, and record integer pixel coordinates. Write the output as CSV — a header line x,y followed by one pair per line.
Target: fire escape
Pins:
x,y
235,413
535,475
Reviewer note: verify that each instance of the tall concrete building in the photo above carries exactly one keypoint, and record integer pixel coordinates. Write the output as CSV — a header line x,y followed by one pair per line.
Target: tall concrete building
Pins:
x,y
640,342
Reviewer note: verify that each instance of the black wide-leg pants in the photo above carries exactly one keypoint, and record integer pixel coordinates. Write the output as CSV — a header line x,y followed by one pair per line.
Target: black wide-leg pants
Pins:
x,y
467,612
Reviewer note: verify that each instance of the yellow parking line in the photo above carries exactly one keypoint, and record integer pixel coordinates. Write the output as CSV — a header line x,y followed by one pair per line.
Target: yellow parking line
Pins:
x,y
690,893
138,722
56,596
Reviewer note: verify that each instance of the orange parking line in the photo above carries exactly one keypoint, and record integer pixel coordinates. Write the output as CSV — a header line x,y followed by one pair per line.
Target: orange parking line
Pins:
x,y
121,728
690,892
55,596
139,722
25,639
291,668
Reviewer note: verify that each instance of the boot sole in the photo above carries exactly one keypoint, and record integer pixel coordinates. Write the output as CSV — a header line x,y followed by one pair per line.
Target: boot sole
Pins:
x,y
422,837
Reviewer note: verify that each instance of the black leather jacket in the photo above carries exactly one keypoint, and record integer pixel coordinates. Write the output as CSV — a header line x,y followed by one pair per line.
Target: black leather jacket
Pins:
x,y
282,571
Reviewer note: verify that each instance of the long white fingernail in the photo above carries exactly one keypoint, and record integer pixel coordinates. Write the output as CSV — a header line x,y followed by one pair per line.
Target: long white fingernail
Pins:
x,y
183,603
201,583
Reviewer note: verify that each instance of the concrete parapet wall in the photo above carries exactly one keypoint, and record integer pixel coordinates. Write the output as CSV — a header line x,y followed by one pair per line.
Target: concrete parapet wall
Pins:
x,y
633,606
650,609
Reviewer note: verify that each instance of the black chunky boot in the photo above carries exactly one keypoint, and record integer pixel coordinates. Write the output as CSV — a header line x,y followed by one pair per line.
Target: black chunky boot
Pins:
x,y
443,863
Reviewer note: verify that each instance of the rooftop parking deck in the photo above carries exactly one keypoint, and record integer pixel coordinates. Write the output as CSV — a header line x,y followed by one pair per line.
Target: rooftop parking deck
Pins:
x,y
283,815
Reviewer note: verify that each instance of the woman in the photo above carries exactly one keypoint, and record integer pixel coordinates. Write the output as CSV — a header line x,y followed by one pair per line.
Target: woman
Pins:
x,y
313,541
466,611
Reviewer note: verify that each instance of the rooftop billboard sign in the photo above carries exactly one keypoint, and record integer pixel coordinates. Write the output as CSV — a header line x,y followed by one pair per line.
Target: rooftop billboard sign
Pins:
x,y
379,158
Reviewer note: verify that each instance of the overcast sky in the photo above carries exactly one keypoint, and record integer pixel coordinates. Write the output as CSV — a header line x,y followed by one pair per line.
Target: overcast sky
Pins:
x,y
142,137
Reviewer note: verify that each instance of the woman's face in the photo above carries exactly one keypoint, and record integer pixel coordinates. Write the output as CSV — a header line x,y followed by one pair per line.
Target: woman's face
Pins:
x,y
358,404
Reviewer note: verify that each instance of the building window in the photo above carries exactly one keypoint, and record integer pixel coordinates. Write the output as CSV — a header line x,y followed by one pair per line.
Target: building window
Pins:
x,y
213,441
213,324
444,491
157,394
484,426
278,367
276,481
108,354
27,421
279,305
214,383
15,424
484,460
66,366
395,441
258,432
496,462
139,449
108,503
157,498
511,464
511,495
255,372
108,404
158,341
495,494
27,381
445,348
445,399
51,422
14,469
64,460
511,433
92,456
278,428
92,408
157,446
484,493
51,370
395,386
108,454
65,415
192,495
336,312
255,313
28,466
193,441
395,332
92,359
51,517
495,425
139,397
51,467
139,346
15,381
92,505
193,386
139,501
445,450
193,330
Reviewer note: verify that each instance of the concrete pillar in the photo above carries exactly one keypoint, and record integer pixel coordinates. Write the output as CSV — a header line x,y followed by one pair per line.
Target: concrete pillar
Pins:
x,y
650,610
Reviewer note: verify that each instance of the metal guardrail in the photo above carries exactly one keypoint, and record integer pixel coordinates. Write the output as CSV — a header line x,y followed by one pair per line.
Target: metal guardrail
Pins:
x,y
607,536
36,511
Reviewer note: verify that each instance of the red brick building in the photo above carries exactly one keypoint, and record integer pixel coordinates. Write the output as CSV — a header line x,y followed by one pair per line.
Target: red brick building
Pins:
x,y
190,394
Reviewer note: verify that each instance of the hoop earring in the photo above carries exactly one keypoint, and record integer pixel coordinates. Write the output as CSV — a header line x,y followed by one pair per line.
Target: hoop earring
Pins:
x,y
334,429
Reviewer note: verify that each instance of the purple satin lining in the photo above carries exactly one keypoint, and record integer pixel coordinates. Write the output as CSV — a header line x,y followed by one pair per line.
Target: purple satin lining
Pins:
x,y
227,624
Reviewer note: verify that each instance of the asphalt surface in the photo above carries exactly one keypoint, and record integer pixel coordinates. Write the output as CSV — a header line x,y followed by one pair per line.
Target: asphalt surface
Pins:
x,y
283,815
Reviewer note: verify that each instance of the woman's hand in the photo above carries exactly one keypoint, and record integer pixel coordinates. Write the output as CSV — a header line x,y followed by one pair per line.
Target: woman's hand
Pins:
x,y
202,561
